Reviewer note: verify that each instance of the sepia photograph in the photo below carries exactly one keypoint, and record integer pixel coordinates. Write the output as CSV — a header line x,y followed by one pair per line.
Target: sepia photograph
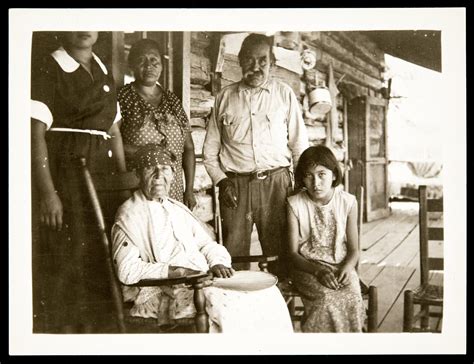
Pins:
x,y
237,181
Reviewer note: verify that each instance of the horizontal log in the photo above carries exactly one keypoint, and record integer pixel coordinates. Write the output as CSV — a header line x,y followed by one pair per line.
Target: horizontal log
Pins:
x,y
200,112
198,135
328,43
199,49
203,36
200,93
200,43
315,77
202,180
362,47
203,209
351,72
200,69
196,86
231,70
201,104
351,90
316,123
316,132
315,142
198,122
201,101
290,78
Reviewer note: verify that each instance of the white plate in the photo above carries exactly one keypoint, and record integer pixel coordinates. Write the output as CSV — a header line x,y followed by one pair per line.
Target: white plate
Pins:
x,y
246,280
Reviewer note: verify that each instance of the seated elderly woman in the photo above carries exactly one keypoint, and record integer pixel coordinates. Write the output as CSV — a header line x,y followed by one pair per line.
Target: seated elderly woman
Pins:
x,y
155,236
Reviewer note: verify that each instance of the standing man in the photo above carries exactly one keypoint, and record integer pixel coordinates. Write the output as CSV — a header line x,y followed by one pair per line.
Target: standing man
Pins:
x,y
256,132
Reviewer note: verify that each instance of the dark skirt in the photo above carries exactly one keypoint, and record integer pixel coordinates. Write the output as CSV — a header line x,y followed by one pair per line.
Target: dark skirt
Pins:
x,y
71,283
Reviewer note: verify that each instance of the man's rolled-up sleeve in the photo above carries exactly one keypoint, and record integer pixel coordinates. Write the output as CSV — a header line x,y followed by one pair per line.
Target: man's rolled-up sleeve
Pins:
x,y
212,147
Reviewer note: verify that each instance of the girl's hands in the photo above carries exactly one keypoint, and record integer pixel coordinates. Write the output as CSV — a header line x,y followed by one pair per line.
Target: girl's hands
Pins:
x,y
51,212
343,275
328,279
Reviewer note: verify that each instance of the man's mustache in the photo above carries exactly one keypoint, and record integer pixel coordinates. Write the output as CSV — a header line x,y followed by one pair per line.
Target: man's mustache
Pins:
x,y
253,74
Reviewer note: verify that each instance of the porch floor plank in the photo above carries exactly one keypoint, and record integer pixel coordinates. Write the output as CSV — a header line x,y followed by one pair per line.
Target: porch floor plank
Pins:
x,y
368,272
390,284
394,237
373,236
393,322
405,252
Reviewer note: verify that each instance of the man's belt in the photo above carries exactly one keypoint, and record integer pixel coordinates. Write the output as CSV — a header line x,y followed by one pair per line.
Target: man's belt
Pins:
x,y
261,174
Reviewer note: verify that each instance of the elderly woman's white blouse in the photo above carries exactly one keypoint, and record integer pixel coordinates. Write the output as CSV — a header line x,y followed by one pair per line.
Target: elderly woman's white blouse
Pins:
x,y
149,236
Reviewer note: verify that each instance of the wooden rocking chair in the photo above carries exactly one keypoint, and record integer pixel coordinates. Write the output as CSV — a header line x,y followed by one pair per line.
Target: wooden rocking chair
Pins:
x,y
125,323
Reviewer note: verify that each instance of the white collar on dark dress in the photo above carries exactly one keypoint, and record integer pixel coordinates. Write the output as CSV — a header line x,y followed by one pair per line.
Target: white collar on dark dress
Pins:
x,y
69,64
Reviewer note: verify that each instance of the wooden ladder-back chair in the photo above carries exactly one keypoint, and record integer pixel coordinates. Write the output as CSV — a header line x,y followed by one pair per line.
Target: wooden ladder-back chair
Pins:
x,y
426,294
287,288
128,181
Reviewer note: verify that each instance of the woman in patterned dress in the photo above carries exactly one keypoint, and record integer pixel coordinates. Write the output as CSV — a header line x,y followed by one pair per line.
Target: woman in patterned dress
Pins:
x,y
152,115
324,249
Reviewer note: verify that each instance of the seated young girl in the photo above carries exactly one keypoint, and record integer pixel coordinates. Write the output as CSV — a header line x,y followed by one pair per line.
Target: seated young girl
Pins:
x,y
322,220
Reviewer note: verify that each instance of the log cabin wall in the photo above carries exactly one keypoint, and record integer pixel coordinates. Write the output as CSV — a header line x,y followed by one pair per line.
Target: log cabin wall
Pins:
x,y
358,70
201,103
356,61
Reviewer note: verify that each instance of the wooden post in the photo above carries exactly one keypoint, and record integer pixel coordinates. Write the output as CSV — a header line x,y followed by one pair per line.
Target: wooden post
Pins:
x,y
118,58
346,147
372,321
182,68
168,40
201,318
423,218
408,311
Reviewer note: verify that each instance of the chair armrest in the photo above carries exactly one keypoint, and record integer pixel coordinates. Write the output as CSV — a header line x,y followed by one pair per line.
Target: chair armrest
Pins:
x,y
189,279
255,258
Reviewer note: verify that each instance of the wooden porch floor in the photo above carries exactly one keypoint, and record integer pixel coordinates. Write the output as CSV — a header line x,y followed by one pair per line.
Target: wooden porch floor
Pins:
x,y
390,261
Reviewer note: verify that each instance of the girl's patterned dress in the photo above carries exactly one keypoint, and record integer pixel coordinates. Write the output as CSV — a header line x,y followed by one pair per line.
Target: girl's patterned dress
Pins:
x,y
322,238
167,124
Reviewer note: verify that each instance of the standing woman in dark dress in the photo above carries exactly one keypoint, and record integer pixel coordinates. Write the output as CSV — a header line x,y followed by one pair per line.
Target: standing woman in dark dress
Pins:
x,y
74,113
152,115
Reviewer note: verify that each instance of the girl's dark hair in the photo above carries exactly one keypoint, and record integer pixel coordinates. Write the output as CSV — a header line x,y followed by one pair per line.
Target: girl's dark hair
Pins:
x,y
139,47
256,39
318,155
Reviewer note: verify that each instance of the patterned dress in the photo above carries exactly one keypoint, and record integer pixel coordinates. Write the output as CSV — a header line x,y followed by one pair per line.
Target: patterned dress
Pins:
x,y
167,124
322,238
